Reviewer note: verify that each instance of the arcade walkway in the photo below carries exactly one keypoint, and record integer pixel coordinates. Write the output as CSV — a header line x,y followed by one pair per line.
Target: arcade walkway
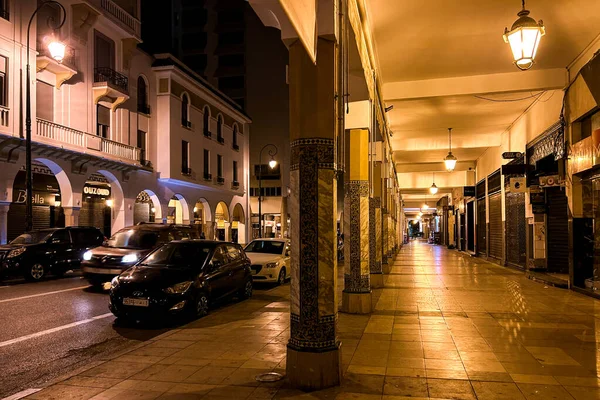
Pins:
x,y
446,326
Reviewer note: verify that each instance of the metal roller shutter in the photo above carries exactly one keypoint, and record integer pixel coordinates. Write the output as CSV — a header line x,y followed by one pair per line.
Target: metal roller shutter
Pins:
x,y
557,226
481,227
516,249
495,238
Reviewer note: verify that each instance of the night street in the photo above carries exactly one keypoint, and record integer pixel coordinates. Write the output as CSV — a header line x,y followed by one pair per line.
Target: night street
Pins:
x,y
57,326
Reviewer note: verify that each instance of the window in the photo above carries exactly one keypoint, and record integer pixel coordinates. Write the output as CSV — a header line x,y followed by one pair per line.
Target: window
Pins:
x,y
4,9
104,51
86,236
185,157
60,237
206,116
185,111
102,121
220,129
219,166
44,101
235,171
234,138
206,164
220,257
3,82
234,253
142,96
141,143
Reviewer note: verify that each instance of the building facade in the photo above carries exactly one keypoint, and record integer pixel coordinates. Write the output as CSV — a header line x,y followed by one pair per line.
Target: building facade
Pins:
x,y
119,136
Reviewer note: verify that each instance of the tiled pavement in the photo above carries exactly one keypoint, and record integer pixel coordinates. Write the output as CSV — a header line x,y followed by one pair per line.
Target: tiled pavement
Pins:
x,y
446,326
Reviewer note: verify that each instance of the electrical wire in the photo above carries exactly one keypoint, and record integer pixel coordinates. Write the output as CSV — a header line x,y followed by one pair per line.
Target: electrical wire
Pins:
x,y
537,95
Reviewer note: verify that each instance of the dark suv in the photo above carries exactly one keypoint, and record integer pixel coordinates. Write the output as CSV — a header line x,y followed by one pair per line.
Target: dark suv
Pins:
x,y
126,247
57,250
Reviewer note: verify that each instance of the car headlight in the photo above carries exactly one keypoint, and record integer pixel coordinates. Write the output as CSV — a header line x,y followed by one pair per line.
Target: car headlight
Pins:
x,y
129,258
271,265
178,288
87,256
16,252
114,283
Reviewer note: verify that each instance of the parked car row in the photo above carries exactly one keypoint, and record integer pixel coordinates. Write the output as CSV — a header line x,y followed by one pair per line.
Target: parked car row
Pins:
x,y
153,269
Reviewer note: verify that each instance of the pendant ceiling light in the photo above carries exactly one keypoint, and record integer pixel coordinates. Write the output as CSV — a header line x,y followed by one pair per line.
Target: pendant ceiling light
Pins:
x,y
433,189
450,160
524,38
425,206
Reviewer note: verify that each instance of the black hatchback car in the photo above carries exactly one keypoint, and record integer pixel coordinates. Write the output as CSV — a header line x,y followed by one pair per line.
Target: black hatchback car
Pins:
x,y
34,254
181,277
129,245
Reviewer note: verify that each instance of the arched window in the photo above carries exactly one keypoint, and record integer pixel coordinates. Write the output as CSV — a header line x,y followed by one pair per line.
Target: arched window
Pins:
x,y
142,96
185,111
220,138
234,142
205,127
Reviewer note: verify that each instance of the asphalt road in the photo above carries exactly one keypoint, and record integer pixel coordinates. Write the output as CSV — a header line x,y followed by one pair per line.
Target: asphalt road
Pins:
x,y
50,328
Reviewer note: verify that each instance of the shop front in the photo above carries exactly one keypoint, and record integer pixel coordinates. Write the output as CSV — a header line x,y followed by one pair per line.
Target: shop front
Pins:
x,y
514,200
96,204
480,192
496,228
47,210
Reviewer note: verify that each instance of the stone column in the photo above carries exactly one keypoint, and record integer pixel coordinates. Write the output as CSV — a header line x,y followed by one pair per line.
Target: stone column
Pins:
x,y
375,230
71,216
4,222
313,354
356,298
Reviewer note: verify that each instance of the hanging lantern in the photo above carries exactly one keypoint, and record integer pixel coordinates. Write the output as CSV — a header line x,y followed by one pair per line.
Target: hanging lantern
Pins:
x,y
524,38
433,189
450,160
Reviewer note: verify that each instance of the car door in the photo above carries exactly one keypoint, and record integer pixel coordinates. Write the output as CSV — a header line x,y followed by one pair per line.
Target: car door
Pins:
x,y
218,278
236,266
60,249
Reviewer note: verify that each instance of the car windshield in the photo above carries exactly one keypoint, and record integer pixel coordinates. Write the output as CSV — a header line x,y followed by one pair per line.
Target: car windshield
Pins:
x,y
178,255
32,237
265,246
133,239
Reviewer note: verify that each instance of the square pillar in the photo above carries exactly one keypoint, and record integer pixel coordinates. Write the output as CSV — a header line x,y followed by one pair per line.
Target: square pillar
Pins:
x,y
356,298
313,351
71,216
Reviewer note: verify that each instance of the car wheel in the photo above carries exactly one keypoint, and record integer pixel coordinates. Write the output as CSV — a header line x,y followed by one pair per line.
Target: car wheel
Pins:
x,y
201,305
246,291
35,272
281,279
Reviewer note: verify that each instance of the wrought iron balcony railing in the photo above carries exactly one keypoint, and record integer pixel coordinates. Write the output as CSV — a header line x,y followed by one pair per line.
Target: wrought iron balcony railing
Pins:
x,y
112,77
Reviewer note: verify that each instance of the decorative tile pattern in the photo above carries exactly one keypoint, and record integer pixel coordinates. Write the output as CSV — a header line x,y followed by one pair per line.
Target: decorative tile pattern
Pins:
x,y
375,235
314,308
356,223
552,143
385,235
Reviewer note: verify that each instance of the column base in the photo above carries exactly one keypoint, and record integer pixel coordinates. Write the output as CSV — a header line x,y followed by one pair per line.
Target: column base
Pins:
x,y
387,268
377,281
314,371
356,303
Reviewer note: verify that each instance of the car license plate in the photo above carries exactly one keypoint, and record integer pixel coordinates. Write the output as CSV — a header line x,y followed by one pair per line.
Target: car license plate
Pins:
x,y
136,302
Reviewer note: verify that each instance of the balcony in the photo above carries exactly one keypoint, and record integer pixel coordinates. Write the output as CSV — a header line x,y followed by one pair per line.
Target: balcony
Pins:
x,y
220,180
71,139
64,70
121,17
110,84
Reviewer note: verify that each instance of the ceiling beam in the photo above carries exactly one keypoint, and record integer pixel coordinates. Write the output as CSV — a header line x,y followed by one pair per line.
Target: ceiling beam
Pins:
x,y
435,141
532,80
434,167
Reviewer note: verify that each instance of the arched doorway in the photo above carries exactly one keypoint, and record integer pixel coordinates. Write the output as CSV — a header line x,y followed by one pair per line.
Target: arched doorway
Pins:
x,y
202,218
146,208
47,209
238,225
97,203
178,211
222,222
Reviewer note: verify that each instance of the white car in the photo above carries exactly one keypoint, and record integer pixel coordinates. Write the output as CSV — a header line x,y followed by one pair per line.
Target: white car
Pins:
x,y
270,260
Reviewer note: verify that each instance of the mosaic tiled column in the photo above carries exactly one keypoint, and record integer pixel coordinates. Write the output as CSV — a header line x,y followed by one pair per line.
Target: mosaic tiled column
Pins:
x,y
376,270
356,298
385,237
313,354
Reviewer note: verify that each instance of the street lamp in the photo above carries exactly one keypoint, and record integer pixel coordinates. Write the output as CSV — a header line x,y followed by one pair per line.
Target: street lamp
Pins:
x,y
57,51
272,164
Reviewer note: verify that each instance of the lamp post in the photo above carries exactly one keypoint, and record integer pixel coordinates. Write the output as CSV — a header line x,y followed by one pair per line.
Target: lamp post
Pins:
x,y
57,51
272,164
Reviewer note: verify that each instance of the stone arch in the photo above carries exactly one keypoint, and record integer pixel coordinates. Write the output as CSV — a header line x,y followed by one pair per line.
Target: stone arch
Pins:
x,y
183,207
203,217
64,183
153,208
238,224
222,221
118,201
